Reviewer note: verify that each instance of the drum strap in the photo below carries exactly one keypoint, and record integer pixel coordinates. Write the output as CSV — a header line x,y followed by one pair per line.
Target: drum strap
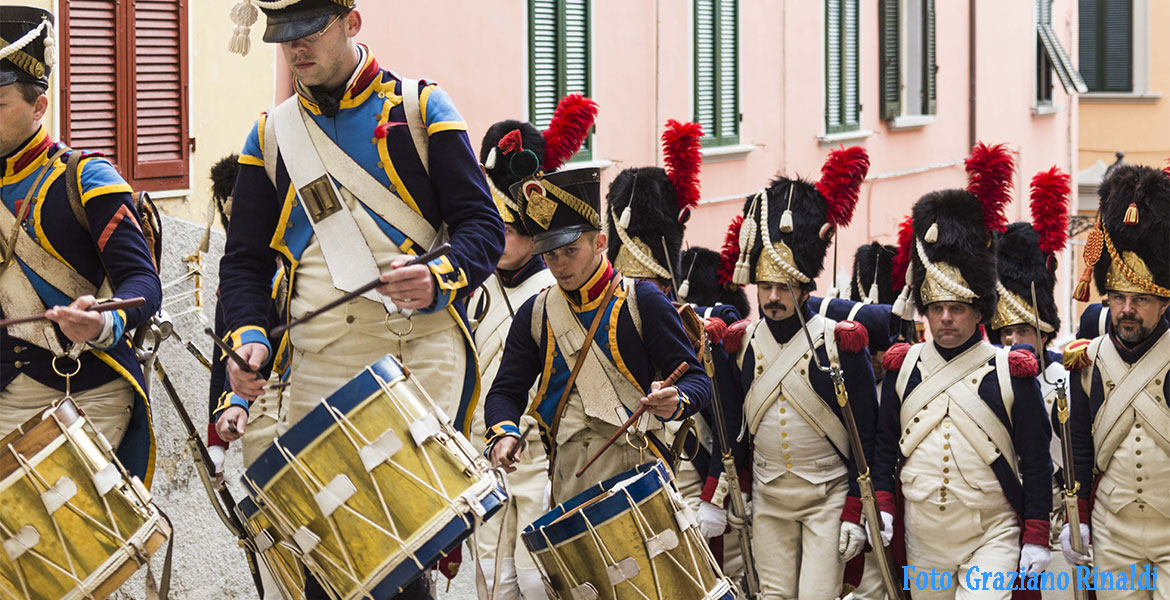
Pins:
x,y
162,589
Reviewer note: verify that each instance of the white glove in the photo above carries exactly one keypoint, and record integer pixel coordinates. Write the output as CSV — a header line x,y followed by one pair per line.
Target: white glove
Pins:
x,y
1034,558
546,500
887,528
217,454
712,519
1072,556
852,541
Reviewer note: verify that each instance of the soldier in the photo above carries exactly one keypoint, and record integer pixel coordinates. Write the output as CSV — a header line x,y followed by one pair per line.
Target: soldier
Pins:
x,y
1026,256
589,381
702,288
520,275
806,511
1119,415
346,182
962,421
69,232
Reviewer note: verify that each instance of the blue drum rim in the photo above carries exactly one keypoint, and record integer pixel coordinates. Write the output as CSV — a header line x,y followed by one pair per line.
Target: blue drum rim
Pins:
x,y
247,507
645,486
308,429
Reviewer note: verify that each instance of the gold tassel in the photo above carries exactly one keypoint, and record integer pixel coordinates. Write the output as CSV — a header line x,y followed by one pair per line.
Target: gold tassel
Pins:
x,y
1131,214
1082,292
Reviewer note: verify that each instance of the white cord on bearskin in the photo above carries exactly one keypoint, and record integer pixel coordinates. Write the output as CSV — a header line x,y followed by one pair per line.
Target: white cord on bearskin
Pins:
x,y
951,285
791,270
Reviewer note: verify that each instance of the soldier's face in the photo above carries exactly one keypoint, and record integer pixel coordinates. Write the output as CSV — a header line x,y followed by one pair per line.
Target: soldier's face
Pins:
x,y
575,263
952,323
325,58
1135,316
1022,334
776,300
517,249
19,118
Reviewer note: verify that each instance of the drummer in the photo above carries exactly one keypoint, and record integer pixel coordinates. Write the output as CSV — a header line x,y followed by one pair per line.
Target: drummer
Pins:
x,y
637,342
418,183
520,275
58,265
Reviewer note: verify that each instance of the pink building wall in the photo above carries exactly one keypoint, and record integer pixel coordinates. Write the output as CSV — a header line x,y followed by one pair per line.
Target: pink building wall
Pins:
x,y
642,76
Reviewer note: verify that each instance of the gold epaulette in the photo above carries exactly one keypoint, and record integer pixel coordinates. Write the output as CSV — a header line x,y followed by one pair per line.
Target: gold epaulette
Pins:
x,y
1076,356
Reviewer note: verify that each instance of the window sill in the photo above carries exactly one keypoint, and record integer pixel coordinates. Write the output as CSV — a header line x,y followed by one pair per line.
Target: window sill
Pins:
x,y
170,194
716,154
600,163
1120,97
909,122
845,136
1046,110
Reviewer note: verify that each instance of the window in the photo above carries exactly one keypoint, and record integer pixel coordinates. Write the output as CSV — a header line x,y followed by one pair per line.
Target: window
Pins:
x,y
717,70
907,53
842,102
1050,56
558,58
126,95
1106,45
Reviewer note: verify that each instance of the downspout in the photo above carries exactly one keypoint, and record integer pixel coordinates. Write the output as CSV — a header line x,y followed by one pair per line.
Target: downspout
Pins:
x,y
972,104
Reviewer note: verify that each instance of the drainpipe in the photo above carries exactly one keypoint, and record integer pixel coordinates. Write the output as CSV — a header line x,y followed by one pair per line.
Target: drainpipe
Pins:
x,y
972,104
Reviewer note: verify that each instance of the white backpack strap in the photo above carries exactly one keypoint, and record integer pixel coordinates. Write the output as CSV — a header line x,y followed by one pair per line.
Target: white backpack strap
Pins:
x,y
416,121
1003,373
907,368
269,146
632,304
537,323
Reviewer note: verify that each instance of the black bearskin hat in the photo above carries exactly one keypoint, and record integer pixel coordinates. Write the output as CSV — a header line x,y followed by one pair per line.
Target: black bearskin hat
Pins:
x,y
699,278
223,181
949,226
1135,214
496,155
808,238
649,196
1020,263
873,264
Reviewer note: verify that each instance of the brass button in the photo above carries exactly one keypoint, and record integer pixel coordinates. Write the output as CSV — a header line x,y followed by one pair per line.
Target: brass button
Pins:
x,y
18,349
802,371
915,419
946,479
783,410
1138,439
349,319
1137,425
783,434
785,447
907,430
946,446
788,466
373,140
942,508
946,459
946,436
1139,490
782,399
946,469
1139,479
974,380
18,364
381,165
786,457
1137,452
783,422
1139,465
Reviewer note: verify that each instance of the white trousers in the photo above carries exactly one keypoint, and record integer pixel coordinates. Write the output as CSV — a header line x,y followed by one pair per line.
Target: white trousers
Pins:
x,y
107,407
796,526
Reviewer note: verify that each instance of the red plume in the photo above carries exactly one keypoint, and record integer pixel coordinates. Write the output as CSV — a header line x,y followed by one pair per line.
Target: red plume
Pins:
x,y
1166,169
901,261
730,251
567,130
683,157
989,179
1050,190
511,142
841,178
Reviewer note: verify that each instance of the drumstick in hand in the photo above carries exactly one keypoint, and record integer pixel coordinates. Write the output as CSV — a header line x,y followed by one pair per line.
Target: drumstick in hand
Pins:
x,y
512,454
103,307
669,381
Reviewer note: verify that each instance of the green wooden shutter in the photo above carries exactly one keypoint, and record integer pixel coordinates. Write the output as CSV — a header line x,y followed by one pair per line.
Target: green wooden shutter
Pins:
x,y
929,66
558,58
851,98
842,104
1106,44
716,93
833,121
889,56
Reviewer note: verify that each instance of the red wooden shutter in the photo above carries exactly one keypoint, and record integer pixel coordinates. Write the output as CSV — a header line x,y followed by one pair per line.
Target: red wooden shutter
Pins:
x,y
89,75
158,129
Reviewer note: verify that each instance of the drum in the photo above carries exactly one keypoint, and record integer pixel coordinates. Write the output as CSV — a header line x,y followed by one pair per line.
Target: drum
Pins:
x,y
628,537
280,559
73,524
373,485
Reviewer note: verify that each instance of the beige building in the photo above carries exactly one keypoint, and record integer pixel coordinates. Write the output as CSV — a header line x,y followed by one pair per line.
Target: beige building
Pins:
x,y
1125,62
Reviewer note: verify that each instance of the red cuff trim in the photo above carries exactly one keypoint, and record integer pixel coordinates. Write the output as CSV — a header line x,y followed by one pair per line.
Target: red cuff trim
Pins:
x,y
1036,531
852,510
213,438
886,501
709,489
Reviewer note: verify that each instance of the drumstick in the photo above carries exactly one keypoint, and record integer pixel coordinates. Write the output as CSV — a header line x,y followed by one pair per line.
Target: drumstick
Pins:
x,y
103,307
520,444
420,260
228,352
669,381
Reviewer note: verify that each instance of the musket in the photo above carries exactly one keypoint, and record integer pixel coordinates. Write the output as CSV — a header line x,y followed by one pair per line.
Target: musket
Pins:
x,y
737,517
1071,485
869,506
221,498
